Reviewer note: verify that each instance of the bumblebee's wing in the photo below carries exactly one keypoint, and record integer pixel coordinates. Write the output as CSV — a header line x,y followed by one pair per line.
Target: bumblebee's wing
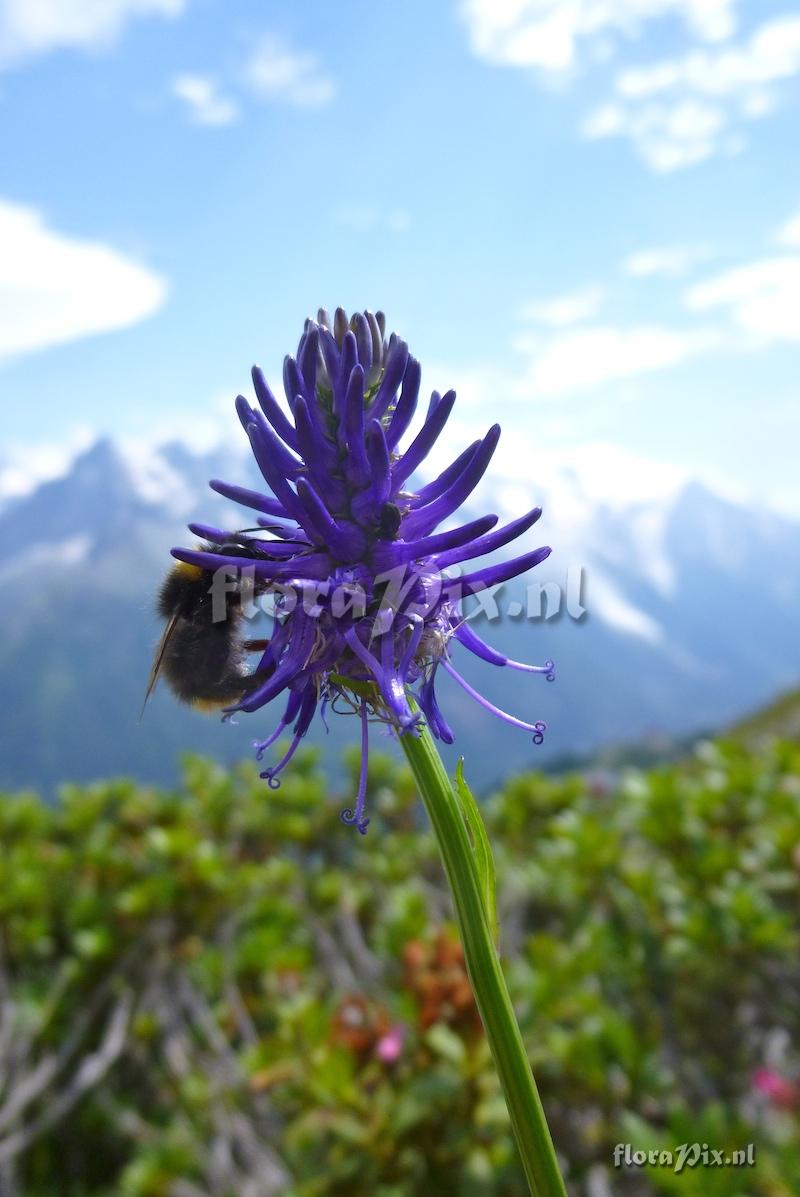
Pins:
x,y
158,661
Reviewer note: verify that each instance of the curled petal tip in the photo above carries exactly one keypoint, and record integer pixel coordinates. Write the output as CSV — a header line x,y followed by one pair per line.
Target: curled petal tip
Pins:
x,y
352,819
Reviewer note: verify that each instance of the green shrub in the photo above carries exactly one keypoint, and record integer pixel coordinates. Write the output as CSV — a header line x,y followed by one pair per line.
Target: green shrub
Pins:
x,y
222,991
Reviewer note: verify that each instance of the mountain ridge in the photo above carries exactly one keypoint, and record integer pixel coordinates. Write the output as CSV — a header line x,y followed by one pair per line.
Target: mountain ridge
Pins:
x,y
688,596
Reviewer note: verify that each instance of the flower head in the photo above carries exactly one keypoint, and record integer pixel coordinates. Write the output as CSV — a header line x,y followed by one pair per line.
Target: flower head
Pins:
x,y
365,610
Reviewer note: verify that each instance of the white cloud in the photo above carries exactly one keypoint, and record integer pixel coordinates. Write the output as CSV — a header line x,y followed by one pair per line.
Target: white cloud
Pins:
x,y
55,288
276,71
771,53
682,110
761,297
562,362
585,358
204,100
551,34
789,233
667,136
669,261
677,111
563,310
32,27
610,120
755,105
23,467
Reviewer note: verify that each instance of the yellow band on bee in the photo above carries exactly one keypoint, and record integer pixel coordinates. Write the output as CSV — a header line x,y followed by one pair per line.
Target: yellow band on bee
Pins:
x,y
209,705
191,571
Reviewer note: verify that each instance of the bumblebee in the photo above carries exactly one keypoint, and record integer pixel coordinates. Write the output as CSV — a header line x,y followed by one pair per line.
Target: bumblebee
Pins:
x,y
202,658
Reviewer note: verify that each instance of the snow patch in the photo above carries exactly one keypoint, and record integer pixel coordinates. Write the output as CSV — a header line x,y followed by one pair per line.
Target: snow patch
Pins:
x,y
154,480
605,602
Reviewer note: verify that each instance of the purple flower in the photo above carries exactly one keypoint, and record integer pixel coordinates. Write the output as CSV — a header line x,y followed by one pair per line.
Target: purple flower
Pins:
x,y
365,611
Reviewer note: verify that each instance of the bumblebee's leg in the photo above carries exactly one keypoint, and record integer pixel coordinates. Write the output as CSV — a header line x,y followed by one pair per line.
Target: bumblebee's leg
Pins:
x,y
252,680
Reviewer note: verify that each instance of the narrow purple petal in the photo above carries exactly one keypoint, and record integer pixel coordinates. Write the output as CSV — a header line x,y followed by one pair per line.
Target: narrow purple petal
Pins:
x,y
378,461
363,337
398,552
430,707
263,441
406,404
347,363
340,326
493,575
269,548
355,815
392,377
209,532
391,689
244,411
423,519
417,629
313,566
250,498
423,442
537,728
307,709
465,635
294,659
284,531
330,355
346,544
292,708
472,641
272,409
367,659
307,358
438,486
354,422
321,458
495,540
293,383
285,460
377,338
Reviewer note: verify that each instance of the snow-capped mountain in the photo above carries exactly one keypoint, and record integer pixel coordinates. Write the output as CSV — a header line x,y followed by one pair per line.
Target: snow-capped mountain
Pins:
x,y
690,616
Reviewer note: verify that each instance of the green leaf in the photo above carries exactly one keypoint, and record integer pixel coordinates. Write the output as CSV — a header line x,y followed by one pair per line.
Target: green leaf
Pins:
x,y
446,1043
484,861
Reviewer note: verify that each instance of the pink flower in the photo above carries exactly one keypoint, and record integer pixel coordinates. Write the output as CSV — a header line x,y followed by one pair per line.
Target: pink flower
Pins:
x,y
389,1047
776,1088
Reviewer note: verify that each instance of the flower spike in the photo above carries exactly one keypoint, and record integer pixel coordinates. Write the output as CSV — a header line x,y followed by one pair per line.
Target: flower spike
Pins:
x,y
363,612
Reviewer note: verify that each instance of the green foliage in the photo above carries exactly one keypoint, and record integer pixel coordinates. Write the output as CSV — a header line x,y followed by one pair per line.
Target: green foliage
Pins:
x,y
239,987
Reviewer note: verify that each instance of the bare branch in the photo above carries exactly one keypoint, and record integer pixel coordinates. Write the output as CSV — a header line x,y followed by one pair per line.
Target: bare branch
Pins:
x,y
91,1070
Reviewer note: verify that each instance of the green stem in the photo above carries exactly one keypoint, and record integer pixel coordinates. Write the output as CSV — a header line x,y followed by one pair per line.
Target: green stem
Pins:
x,y
486,976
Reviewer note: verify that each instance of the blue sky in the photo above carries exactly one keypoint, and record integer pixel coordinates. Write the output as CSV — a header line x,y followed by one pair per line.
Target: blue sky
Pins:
x,y
584,215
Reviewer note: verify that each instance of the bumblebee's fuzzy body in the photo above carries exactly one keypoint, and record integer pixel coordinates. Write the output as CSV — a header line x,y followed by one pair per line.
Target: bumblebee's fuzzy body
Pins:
x,y
202,656
202,660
